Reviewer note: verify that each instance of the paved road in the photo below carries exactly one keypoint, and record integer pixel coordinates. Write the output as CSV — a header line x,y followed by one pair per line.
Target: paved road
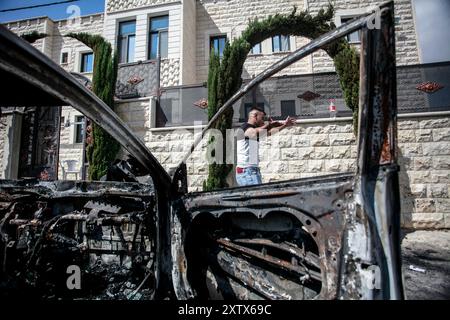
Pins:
x,y
428,250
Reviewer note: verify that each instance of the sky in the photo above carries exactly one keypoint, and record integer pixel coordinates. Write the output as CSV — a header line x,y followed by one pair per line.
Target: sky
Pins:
x,y
433,29
55,12
432,20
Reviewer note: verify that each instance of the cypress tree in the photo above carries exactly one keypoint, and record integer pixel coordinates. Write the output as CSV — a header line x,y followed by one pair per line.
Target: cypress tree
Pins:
x,y
214,63
103,149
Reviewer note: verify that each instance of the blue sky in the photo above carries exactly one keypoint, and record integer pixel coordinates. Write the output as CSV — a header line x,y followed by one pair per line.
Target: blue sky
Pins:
x,y
432,20
55,12
433,29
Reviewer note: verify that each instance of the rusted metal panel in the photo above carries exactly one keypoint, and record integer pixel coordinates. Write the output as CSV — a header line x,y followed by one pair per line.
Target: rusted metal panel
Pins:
x,y
377,180
346,224
106,229
284,227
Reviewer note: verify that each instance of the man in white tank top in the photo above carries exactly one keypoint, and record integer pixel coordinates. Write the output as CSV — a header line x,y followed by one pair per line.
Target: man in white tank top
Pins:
x,y
247,166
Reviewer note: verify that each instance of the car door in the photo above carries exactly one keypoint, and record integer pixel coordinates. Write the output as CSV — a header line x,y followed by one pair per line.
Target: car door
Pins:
x,y
327,237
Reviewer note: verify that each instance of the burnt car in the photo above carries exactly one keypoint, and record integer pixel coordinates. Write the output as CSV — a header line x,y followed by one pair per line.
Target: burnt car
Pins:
x,y
146,237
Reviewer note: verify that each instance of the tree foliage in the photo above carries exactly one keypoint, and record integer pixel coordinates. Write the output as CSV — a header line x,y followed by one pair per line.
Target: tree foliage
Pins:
x,y
33,36
103,148
228,73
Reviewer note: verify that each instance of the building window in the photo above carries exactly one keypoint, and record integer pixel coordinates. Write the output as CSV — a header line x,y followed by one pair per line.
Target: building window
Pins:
x,y
159,37
218,44
126,41
64,57
79,129
352,37
280,43
256,48
87,62
287,108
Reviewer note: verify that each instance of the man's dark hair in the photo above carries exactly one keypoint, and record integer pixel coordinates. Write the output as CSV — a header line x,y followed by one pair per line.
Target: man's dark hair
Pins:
x,y
257,109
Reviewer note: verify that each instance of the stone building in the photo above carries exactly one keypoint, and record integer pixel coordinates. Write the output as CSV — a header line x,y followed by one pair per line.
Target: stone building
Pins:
x,y
183,33
73,56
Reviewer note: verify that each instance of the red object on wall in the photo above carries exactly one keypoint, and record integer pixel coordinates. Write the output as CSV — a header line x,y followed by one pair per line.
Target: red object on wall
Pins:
x,y
429,87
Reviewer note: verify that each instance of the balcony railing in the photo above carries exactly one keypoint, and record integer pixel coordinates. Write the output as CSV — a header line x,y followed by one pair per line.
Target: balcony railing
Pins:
x,y
420,88
137,79
182,106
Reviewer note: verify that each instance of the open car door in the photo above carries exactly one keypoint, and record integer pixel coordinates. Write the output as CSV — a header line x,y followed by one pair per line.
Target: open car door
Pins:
x,y
328,237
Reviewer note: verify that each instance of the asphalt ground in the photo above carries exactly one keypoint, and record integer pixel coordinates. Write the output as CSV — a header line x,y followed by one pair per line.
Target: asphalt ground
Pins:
x,y
426,265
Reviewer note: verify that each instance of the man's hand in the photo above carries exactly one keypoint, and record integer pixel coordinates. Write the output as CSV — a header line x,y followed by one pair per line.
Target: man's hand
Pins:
x,y
289,121
283,124
273,124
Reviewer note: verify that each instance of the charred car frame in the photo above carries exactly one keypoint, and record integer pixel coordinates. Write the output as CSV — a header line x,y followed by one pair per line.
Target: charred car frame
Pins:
x,y
327,237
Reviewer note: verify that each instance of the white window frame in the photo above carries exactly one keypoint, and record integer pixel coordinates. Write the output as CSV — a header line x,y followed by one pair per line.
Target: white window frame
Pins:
x,y
78,56
251,53
281,51
218,36
148,31
75,125
81,62
61,56
213,33
118,22
347,14
70,120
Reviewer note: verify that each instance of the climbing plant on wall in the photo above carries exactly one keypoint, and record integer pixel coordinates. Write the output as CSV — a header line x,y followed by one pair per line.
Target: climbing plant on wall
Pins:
x,y
33,36
103,148
227,72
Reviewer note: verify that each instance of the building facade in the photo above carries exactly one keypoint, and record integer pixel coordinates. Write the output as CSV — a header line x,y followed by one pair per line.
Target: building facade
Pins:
x,y
164,49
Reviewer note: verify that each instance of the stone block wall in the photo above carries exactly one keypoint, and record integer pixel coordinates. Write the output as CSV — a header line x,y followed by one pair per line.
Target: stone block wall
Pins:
x,y
141,14
322,146
170,72
230,17
425,176
120,5
188,36
68,149
405,40
92,24
168,145
56,43
29,25
136,114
